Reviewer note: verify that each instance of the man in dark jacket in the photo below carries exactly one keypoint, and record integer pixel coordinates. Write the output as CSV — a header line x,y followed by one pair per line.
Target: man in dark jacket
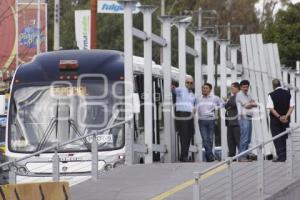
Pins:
x,y
281,106
233,128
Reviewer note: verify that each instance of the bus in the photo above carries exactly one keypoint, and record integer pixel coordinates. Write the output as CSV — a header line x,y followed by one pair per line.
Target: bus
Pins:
x,y
61,95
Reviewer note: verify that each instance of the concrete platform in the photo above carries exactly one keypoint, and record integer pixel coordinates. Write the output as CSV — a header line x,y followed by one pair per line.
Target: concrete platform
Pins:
x,y
174,181
137,181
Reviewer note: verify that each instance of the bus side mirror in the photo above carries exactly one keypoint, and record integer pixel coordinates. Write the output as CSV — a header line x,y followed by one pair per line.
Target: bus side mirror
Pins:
x,y
2,104
136,103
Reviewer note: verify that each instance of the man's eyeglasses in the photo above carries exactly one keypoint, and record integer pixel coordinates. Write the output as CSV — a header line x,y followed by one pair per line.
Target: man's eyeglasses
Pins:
x,y
187,82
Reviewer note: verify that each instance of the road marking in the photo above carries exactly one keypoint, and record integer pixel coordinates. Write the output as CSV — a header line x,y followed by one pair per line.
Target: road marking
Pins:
x,y
188,183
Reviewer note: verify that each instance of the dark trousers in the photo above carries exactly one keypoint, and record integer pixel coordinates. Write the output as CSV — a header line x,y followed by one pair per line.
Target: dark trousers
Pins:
x,y
185,128
233,139
280,144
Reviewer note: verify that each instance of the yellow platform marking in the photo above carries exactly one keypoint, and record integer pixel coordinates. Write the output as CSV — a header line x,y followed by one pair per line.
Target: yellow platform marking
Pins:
x,y
188,183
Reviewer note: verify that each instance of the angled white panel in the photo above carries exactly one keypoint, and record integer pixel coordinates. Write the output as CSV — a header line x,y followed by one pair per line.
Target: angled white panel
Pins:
x,y
233,59
262,83
277,60
244,57
256,119
272,64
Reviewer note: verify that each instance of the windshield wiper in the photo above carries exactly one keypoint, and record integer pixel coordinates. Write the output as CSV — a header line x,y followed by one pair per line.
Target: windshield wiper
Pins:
x,y
47,133
77,132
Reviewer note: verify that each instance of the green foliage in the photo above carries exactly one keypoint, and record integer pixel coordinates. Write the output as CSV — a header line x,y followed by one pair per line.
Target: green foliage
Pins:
x,y
285,31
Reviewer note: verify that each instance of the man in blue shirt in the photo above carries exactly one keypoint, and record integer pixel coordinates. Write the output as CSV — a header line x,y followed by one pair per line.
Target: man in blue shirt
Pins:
x,y
185,108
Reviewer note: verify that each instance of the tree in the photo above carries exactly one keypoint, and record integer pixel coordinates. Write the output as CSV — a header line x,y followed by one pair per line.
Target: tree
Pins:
x,y
267,15
285,31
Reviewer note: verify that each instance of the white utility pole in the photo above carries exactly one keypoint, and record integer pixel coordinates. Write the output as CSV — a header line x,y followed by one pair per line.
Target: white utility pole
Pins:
x,y
56,39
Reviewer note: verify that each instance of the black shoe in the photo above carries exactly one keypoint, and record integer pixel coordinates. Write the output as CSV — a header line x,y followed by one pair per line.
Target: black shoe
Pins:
x,y
184,159
244,159
278,160
252,156
210,160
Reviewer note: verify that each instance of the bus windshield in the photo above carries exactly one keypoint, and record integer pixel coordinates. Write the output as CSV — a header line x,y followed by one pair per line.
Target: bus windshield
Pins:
x,y
41,116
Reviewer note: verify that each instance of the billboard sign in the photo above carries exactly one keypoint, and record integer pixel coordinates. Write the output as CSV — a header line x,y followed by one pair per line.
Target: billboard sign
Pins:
x,y
113,7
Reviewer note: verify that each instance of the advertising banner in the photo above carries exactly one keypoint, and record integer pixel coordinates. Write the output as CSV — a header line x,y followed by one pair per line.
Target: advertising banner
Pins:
x,y
7,35
83,28
29,31
19,33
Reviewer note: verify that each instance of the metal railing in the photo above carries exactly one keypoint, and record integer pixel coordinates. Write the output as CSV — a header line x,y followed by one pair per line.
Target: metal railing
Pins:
x,y
55,159
252,180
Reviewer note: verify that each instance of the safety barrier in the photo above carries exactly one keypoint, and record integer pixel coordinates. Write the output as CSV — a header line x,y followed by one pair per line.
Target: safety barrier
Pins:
x,y
36,191
252,180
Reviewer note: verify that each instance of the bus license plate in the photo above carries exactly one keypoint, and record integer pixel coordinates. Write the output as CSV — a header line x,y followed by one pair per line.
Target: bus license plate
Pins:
x,y
101,139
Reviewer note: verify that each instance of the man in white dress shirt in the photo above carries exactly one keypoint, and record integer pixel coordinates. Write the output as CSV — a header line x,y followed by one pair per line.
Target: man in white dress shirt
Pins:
x,y
207,104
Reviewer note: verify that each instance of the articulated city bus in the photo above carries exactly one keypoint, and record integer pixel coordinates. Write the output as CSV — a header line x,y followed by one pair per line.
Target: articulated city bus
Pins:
x,y
62,95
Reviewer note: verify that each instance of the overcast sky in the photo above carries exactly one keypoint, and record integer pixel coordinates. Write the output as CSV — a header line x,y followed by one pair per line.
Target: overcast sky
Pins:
x,y
259,5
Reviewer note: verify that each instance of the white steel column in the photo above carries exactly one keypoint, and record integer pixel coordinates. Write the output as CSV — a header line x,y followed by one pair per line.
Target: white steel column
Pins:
x,y
128,72
293,92
168,108
148,103
210,60
223,87
198,33
182,25
56,36
233,59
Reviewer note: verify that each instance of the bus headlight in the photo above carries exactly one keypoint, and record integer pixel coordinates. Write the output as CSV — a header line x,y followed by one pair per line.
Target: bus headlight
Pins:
x,y
22,170
108,167
64,168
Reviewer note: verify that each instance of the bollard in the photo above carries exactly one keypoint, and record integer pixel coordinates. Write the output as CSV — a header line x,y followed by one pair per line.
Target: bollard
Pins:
x,y
55,165
229,194
12,175
290,161
260,173
197,186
